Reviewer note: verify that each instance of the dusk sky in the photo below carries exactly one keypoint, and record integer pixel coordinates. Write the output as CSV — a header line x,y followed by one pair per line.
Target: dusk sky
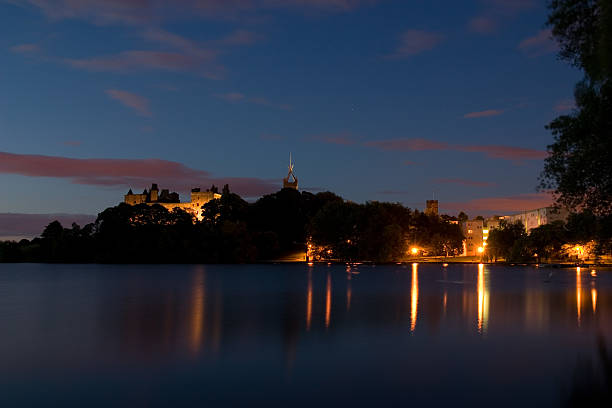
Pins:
x,y
389,100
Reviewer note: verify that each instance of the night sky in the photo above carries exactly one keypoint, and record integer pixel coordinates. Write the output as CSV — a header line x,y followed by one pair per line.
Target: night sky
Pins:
x,y
389,100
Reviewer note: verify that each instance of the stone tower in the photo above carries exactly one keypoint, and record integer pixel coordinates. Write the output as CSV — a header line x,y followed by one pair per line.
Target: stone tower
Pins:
x,y
291,180
432,207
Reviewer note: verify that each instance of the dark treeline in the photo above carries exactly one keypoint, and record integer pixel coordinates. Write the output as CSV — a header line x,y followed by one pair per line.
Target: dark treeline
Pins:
x,y
583,236
233,230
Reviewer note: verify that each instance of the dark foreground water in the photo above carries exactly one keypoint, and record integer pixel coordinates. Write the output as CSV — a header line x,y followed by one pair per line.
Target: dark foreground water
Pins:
x,y
290,335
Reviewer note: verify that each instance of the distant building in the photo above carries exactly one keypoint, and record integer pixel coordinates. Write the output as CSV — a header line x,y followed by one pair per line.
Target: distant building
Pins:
x,y
171,201
493,222
541,216
291,180
432,207
474,242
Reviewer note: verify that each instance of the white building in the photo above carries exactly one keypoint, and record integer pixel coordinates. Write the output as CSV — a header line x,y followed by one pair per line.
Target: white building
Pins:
x,y
541,216
474,242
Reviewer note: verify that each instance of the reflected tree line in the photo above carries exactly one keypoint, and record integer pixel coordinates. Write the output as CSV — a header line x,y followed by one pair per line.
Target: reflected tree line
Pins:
x,y
233,230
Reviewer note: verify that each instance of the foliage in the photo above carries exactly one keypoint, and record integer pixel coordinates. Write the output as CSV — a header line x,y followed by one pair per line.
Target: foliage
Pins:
x,y
547,240
578,168
509,241
233,230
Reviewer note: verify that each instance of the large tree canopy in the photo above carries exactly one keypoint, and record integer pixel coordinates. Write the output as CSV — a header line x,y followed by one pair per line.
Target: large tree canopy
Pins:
x,y
579,169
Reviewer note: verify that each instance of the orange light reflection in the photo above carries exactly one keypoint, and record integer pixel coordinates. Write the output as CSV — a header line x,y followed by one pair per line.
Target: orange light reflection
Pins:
x,y
414,297
197,311
309,302
578,293
483,301
328,301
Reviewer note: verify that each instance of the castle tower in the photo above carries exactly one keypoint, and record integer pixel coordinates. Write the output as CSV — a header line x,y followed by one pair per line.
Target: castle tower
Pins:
x,y
154,193
432,207
291,180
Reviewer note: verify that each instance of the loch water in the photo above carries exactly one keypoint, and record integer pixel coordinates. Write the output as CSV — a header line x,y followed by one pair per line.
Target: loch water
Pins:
x,y
294,335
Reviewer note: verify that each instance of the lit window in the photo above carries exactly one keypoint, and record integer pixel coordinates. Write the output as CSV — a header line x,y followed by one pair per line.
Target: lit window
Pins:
x,y
470,231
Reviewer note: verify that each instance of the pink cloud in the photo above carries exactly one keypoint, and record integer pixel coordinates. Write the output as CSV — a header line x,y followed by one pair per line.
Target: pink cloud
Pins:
x,y
18,226
232,96
505,152
565,105
464,182
539,44
495,12
414,42
408,145
483,25
176,41
127,61
522,202
25,48
145,11
136,102
136,173
483,114
493,151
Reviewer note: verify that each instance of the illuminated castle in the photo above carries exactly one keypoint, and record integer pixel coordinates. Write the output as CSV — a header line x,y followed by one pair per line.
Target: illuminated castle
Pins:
x,y
170,201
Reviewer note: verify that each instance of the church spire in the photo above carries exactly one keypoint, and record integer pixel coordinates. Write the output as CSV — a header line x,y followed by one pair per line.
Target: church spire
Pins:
x,y
287,181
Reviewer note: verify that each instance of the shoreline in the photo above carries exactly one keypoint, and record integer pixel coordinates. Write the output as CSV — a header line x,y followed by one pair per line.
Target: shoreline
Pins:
x,y
557,265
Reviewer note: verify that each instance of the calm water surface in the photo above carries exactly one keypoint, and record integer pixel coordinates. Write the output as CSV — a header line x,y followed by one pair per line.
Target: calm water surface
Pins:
x,y
290,335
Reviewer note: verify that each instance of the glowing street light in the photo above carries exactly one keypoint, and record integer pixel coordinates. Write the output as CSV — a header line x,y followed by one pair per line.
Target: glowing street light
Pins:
x,y
414,250
480,250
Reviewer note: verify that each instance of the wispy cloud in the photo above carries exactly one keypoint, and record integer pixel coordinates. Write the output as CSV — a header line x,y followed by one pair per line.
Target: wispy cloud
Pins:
x,y
127,173
25,48
539,44
464,182
146,11
130,61
512,153
565,105
483,25
139,103
238,97
484,113
495,12
413,42
408,145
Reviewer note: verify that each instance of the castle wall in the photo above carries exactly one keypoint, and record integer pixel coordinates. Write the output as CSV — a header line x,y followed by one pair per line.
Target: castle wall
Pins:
x,y
193,207
135,199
